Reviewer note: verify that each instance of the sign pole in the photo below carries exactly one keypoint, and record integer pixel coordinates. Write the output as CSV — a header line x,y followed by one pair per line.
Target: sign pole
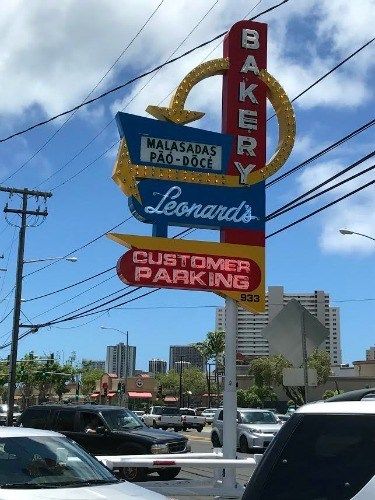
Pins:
x,y
230,396
243,116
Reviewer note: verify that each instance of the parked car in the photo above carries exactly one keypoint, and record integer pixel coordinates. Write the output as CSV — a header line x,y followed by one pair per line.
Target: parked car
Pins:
x,y
33,462
164,417
4,413
209,414
282,418
107,430
139,413
324,451
255,429
190,419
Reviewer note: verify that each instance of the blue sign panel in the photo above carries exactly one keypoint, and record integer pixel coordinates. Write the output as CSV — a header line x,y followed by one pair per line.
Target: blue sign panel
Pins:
x,y
197,205
161,144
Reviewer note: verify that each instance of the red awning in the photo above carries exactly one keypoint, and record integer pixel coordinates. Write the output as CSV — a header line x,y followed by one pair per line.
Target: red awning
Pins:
x,y
94,395
143,395
111,394
170,399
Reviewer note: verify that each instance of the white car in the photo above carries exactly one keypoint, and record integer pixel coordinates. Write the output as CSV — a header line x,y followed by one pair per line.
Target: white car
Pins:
x,y
4,413
255,429
326,450
37,464
209,414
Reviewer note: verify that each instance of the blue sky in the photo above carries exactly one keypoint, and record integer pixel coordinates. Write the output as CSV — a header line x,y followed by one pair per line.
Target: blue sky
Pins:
x,y
52,57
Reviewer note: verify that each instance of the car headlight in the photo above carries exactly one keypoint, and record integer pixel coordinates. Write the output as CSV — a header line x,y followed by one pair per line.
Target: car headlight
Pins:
x,y
159,448
257,431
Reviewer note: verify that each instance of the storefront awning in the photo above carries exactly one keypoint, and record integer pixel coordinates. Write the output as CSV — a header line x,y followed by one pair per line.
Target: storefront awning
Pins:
x,y
170,399
142,395
94,395
111,394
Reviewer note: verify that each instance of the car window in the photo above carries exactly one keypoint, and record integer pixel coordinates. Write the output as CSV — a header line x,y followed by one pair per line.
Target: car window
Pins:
x,y
122,420
327,457
40,462
35,418
258,417
89,419
156,410
187,412
220,416
64,421
171,411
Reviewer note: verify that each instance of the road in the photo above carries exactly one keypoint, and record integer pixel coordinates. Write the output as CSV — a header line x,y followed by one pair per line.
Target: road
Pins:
x,y
200,443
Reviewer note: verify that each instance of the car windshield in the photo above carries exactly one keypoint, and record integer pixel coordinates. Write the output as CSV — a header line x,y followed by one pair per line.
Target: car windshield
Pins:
x,y
122,420
48,462
258,417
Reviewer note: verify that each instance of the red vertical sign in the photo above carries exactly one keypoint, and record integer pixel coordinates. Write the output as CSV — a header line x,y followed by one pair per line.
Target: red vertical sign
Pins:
x,y
244,110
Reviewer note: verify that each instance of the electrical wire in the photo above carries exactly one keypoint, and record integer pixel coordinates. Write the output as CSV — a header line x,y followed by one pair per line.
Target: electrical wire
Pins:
x,y
123,109
132,80
331,147
52,136
304,197
70,286
324,207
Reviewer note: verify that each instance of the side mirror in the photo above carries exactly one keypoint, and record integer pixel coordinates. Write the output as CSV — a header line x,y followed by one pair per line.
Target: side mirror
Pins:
x,y
101,429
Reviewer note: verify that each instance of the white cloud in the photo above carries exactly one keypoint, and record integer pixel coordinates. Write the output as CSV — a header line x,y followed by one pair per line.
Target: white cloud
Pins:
x,y
54,52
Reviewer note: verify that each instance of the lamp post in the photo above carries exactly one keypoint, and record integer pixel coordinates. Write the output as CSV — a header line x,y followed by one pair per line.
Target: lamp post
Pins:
x,y
180,388
126,358
349,232
17,308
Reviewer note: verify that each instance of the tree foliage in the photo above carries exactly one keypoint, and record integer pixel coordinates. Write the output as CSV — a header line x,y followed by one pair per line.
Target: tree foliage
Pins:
x,y
89,378
268,371
212,348
193,380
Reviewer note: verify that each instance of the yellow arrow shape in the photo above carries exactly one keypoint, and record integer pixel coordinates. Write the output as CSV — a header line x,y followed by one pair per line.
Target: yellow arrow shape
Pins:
x,y
175,112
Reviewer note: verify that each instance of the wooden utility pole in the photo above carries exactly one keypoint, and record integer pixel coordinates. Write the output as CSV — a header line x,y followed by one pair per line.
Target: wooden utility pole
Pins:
x,y
23,212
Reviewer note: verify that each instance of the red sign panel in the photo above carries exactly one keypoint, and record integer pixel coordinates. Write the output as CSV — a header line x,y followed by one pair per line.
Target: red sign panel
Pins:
x,y
192,271
244,109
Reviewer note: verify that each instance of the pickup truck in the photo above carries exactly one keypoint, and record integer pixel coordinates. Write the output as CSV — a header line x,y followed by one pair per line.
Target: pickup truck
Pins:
x,y
163,417
190,419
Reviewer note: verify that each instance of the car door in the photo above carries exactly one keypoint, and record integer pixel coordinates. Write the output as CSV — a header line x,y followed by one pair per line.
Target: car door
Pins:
x,y
100,443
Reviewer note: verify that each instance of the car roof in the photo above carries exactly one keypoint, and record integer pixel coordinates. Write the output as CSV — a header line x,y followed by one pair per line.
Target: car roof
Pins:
x,y
365,407
26,432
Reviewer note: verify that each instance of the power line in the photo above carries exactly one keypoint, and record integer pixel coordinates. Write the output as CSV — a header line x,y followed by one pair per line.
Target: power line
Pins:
x,y
70,286
119,87
123,109
321,209
88,95
304,197
80,248
332,146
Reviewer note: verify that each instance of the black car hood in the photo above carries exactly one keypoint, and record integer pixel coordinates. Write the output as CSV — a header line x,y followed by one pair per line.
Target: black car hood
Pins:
x,y
155,435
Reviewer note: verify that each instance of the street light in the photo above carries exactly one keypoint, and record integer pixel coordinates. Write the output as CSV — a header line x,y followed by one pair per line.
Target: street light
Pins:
x,y
127,357
348,231
69,259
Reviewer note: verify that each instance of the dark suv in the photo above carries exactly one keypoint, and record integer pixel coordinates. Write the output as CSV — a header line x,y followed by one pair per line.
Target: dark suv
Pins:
x,y
107,430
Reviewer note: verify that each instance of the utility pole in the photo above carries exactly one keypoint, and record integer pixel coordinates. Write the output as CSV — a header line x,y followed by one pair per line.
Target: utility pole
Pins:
x,y
180,388
126,371
23,212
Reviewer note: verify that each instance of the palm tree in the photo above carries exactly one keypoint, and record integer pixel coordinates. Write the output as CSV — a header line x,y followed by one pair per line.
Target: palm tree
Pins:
x,y
212,348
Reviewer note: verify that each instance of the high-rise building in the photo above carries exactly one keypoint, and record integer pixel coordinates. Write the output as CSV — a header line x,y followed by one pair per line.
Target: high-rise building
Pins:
x,y
117,361
249,326
188,353
370,354
181,365
157,365
93,364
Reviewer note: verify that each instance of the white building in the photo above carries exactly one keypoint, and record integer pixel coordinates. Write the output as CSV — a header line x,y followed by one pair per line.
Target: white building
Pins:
x,y
249,326
117,361
370,354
